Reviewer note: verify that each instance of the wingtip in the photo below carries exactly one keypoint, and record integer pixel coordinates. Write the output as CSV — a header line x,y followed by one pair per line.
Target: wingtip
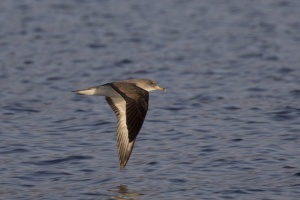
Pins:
x,y
122,166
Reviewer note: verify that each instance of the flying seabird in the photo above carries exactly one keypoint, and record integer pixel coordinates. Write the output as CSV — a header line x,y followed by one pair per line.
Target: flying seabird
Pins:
x,y
129,101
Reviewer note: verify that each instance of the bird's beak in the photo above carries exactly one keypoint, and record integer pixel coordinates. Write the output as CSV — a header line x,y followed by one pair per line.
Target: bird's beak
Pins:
x,y
160,88
87,91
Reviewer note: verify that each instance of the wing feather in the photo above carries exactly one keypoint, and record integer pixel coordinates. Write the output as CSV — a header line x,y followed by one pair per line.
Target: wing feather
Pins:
x,y
125,146
130,110
136,106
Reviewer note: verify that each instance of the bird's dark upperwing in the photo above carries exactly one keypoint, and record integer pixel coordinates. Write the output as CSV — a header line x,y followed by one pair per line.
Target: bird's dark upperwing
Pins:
x,y
136,106
130,110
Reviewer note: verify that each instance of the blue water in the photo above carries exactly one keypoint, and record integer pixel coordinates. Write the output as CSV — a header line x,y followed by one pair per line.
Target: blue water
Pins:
x,y
228,127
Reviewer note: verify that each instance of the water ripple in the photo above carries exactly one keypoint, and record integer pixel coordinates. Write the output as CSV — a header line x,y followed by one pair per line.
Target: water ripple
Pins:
x,y
227,127
61,160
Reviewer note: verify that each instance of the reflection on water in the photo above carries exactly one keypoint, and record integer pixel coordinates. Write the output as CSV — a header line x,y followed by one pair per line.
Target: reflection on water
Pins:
x,y
122,193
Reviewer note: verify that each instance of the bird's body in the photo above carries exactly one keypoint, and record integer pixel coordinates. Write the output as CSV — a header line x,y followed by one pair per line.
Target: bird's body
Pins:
x,y
129,101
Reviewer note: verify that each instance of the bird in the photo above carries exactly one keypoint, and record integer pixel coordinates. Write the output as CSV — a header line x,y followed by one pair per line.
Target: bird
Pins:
x,y
129,101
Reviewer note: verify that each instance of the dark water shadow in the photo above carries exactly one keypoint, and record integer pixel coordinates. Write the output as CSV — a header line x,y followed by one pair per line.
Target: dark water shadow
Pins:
x,y
123,193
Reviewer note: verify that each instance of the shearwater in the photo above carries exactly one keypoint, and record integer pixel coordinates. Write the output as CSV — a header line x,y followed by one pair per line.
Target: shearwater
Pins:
x,y
129,101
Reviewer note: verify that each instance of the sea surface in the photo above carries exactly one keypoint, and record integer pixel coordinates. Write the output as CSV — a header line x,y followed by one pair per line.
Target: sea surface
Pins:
x,y
227,128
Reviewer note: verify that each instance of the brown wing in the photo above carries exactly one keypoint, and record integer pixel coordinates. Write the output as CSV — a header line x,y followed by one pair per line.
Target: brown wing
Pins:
x,y
136,106
130,111
125,147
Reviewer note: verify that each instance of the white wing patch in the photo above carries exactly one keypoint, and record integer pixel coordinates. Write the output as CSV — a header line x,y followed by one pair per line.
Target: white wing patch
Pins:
x,y
118,105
